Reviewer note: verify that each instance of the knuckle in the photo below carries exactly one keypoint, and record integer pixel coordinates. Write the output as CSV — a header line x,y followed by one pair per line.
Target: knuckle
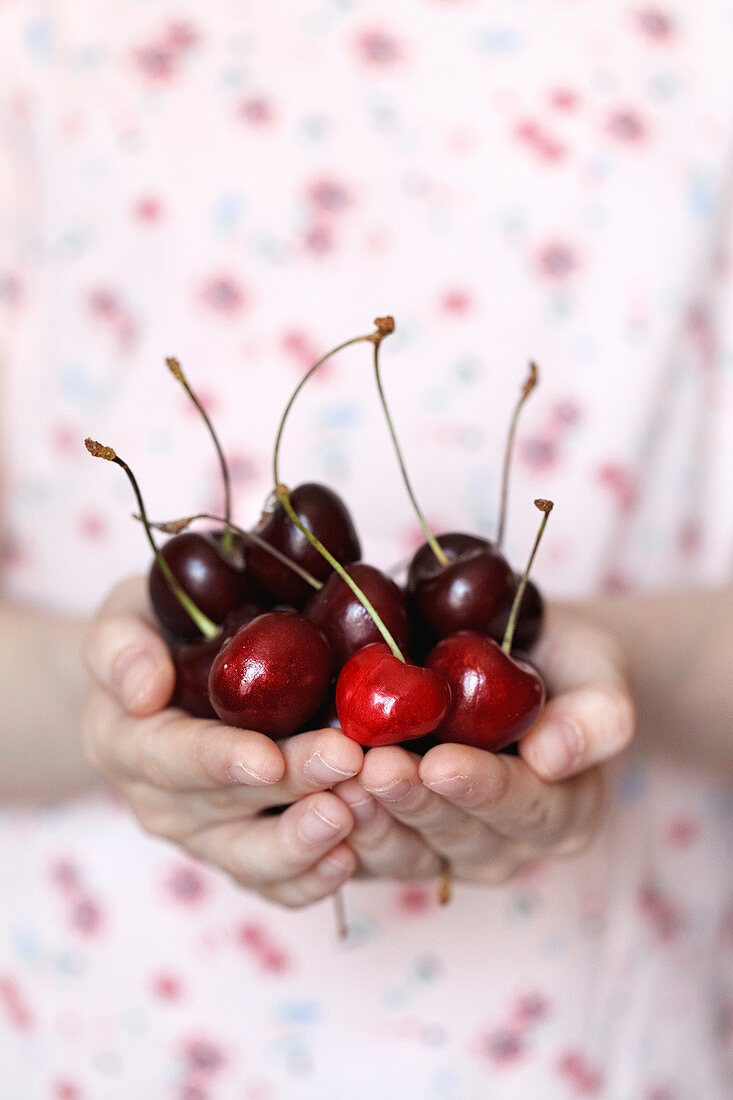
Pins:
x,y
461,832
621,716
500,782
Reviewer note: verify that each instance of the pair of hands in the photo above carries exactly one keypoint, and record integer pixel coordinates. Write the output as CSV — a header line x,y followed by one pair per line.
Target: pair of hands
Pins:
x,y
384,814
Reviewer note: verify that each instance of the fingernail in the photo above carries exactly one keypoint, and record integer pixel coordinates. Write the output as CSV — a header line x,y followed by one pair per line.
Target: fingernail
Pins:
x,y
313,828
393,792
452,786
320,771
132,675
332,868
558,748
240,773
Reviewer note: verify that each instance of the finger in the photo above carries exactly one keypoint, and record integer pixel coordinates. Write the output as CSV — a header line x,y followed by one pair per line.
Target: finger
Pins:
x,y
592,717
392,776
504,793
320,882
263,850
385,847
126,654
174,752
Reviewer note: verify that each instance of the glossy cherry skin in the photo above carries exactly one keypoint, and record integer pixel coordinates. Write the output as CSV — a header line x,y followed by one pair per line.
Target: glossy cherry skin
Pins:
x,y
531,617
494,698
344,620
273,675
324,513
473,592
382,701
192,662
215,583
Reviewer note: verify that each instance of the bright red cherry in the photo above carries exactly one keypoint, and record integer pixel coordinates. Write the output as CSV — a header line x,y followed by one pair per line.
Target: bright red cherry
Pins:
x,y
342,617
324,513
494,698
380,700
273,675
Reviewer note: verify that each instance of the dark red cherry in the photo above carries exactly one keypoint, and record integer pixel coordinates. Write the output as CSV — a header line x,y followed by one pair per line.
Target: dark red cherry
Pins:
x,y
273,675
344,620
192,663
215,584
531,617
494,698
324,513
380,700
473,592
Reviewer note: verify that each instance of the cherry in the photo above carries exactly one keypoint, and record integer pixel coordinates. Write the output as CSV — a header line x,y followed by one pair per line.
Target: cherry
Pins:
x,y
381,700
325,514
530,620
494,698
344,620
213,582
192,663
273,675
473,591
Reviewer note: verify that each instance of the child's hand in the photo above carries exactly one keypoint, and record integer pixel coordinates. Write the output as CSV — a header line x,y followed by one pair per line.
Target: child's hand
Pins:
x,y
202,784
489,815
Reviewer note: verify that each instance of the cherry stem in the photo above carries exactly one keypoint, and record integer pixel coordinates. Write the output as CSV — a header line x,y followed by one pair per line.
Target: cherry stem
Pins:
x,y
545,506
174,526
385,325
208,628
339,912
177,371
283,496
445,887
433,542
529,384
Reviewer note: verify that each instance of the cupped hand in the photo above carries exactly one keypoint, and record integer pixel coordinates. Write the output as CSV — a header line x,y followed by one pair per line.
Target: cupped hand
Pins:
x,y
207,786
489,815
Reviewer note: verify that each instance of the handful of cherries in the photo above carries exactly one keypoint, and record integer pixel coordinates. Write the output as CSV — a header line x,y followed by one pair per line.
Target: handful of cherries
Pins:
x,y
283,628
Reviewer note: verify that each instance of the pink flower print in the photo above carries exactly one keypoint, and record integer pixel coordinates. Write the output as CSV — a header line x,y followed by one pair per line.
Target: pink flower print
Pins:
x,y
682,831
664,918
529,1009
318,238
86,916
584,1078
105,307
13,1004
701,334
147,209
303,350
536,138
167,987
256,110
224,295
627,126
64,1089
539,453
159,60
329,195
564,99
202,1054
502,1047
655,23
557,260
619,482
269,956
92,527
65,873
415,900
378,48
187,884
455,302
